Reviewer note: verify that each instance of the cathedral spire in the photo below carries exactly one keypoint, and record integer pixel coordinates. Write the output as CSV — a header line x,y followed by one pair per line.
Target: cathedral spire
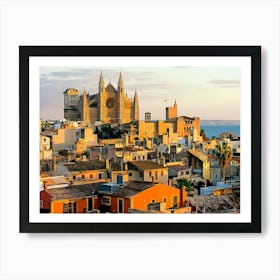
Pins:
x,y
135,97
136,106
101,83
85,109
121,84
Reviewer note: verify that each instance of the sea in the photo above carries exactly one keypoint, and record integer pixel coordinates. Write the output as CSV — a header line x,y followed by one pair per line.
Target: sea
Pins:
x,y
217,128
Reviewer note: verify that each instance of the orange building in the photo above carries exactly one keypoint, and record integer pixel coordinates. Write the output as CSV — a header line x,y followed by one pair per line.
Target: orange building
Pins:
x,y
73,199
143,196
112,198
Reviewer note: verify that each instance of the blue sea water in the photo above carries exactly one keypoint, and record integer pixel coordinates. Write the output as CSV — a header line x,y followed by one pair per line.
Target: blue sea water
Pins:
x,y
216,130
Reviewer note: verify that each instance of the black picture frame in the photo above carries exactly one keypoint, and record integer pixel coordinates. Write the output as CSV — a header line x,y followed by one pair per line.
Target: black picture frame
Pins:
x,y
254,52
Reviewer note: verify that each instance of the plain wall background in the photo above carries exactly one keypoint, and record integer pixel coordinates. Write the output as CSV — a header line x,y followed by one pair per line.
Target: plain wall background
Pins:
x,y
139,256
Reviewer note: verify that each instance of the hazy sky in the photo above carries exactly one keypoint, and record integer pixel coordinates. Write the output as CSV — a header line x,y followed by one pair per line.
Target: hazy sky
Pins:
x,y
211,93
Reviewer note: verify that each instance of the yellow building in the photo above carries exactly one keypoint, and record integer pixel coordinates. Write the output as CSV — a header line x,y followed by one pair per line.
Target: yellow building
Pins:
x,y
169,130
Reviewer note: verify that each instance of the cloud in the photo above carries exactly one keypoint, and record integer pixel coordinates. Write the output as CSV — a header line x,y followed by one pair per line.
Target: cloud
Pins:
x,y
225,83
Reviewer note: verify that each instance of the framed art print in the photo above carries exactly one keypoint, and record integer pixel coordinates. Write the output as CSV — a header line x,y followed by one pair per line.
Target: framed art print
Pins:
x,y
140,138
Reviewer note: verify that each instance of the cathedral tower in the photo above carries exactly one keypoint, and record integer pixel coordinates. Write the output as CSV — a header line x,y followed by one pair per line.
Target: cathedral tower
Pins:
x,y
121,106
85,109
101,90
136,106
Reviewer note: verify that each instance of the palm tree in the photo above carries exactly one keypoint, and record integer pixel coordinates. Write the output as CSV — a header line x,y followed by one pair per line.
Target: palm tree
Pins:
x,y
182,182
224,154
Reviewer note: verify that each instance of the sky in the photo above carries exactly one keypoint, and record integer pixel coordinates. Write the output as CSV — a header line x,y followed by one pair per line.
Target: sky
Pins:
x,y
211,93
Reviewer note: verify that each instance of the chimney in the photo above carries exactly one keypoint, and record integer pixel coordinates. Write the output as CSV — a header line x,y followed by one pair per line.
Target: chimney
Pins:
x,y
54,165
183,196
162,161
125,166
107,163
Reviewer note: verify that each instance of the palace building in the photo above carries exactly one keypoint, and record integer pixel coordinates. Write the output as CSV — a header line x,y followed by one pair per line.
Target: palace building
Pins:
x,y
110,104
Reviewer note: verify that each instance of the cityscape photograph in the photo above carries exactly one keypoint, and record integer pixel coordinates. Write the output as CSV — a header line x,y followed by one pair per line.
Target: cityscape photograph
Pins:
x,y
136,140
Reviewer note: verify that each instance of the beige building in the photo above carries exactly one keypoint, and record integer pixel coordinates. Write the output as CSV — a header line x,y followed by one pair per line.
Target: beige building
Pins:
x,y
131,154
63,138
45,148
66,138
88,170
147,171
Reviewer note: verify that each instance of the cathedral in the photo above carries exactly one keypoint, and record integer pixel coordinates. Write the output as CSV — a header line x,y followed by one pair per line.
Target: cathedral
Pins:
x,y
108,105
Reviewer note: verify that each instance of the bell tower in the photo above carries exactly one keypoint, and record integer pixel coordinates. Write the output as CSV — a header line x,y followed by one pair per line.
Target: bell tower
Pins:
x,y
171,112
120,109
102,101
136,107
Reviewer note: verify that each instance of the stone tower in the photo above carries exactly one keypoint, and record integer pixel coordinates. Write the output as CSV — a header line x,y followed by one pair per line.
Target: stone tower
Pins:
x,y
136,106
71,101
101,90
85,109
171,112
120,99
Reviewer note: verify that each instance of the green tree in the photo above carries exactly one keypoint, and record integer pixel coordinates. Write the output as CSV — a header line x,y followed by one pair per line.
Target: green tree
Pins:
x,y
203,134
224,154
184,182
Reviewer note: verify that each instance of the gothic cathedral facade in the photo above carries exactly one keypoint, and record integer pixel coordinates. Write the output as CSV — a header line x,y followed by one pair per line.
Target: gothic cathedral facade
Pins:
x,y
109,105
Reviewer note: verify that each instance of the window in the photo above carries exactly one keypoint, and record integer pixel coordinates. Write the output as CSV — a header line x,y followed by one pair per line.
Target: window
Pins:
x,y
153,201
74,177
150,173
70,207
91,176
164,199
130,174
67,208
100,176
41,203
156,174
161,173
106,200
83,176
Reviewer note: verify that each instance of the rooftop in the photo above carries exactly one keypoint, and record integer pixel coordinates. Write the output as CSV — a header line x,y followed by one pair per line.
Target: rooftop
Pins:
x,y
74,191
55,180
201,156
85,165
132,189
129,149
146,164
